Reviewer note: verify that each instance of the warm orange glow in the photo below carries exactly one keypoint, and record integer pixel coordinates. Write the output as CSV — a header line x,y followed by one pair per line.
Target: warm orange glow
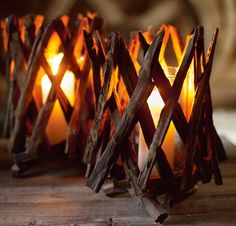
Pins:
x,y
156,104
4,34
65,20
155,101
188,92
80,60
38,22
53,46
57,133
12,66
55,61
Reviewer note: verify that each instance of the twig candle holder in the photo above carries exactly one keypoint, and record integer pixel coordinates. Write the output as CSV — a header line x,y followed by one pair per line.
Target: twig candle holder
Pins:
x,y
60,77
17,37
55,84
110,136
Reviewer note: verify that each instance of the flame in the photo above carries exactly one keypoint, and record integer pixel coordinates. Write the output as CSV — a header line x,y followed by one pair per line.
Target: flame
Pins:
x,y
54,62
155,104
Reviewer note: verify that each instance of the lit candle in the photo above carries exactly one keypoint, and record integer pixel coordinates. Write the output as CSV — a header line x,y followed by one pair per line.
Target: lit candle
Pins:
x,y
156,104
57,126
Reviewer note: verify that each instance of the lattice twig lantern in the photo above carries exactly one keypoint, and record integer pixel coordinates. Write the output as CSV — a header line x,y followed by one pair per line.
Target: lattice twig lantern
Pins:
x,y
17,36
186,110
56,87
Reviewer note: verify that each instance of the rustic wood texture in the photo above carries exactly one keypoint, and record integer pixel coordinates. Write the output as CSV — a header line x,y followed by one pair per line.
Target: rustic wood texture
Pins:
x,y
166,114
31,52
194,122
141,93
20,35
75,123
57,196
176,185
149,202
105,93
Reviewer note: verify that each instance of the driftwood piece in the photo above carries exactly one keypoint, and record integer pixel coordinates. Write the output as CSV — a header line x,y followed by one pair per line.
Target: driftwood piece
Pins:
x,y
95,132
74,122
164,87
200,55
64,102
130,77
195,119
17,135
95,63
220,150
105,93
44,113
8,122
149,202
18,50
212,148
27,94
74,125
166,113
142,91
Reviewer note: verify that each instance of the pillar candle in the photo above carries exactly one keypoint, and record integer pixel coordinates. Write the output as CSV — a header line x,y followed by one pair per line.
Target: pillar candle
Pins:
x,y
156,104
56,129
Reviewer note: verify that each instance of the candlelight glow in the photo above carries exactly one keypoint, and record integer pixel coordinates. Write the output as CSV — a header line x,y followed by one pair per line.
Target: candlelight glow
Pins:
x,y
67,83
155,101
80,60
58,133
156,104
188,92
55,61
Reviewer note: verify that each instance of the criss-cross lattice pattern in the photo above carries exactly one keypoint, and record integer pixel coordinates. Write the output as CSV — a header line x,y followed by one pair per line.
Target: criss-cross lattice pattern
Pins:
x,y
56,39
202,146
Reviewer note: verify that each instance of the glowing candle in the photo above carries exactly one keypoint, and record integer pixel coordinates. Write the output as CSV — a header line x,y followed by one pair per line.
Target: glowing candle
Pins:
x,y
156,104
57,126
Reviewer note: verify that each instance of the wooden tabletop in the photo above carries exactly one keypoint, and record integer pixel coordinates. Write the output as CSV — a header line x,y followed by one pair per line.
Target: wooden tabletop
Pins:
x,y
53,195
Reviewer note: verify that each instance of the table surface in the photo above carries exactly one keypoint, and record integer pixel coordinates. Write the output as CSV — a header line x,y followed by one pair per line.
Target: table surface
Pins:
x,y
55,195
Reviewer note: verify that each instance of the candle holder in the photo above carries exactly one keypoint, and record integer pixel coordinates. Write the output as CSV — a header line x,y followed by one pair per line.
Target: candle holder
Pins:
x,y
51,88
122,103
17,37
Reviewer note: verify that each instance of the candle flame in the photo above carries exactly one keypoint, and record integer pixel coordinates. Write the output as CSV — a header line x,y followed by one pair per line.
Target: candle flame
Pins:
x,y
54,62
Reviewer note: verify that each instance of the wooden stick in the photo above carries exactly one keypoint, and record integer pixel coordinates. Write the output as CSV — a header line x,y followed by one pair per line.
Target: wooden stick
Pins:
x,y
95,63
130,78
195,119
164,87
82,87
7,125
167,112
201,61
95,132
27,93
150,203
64,102
211,140
74,125
220,150
44,113
142,91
